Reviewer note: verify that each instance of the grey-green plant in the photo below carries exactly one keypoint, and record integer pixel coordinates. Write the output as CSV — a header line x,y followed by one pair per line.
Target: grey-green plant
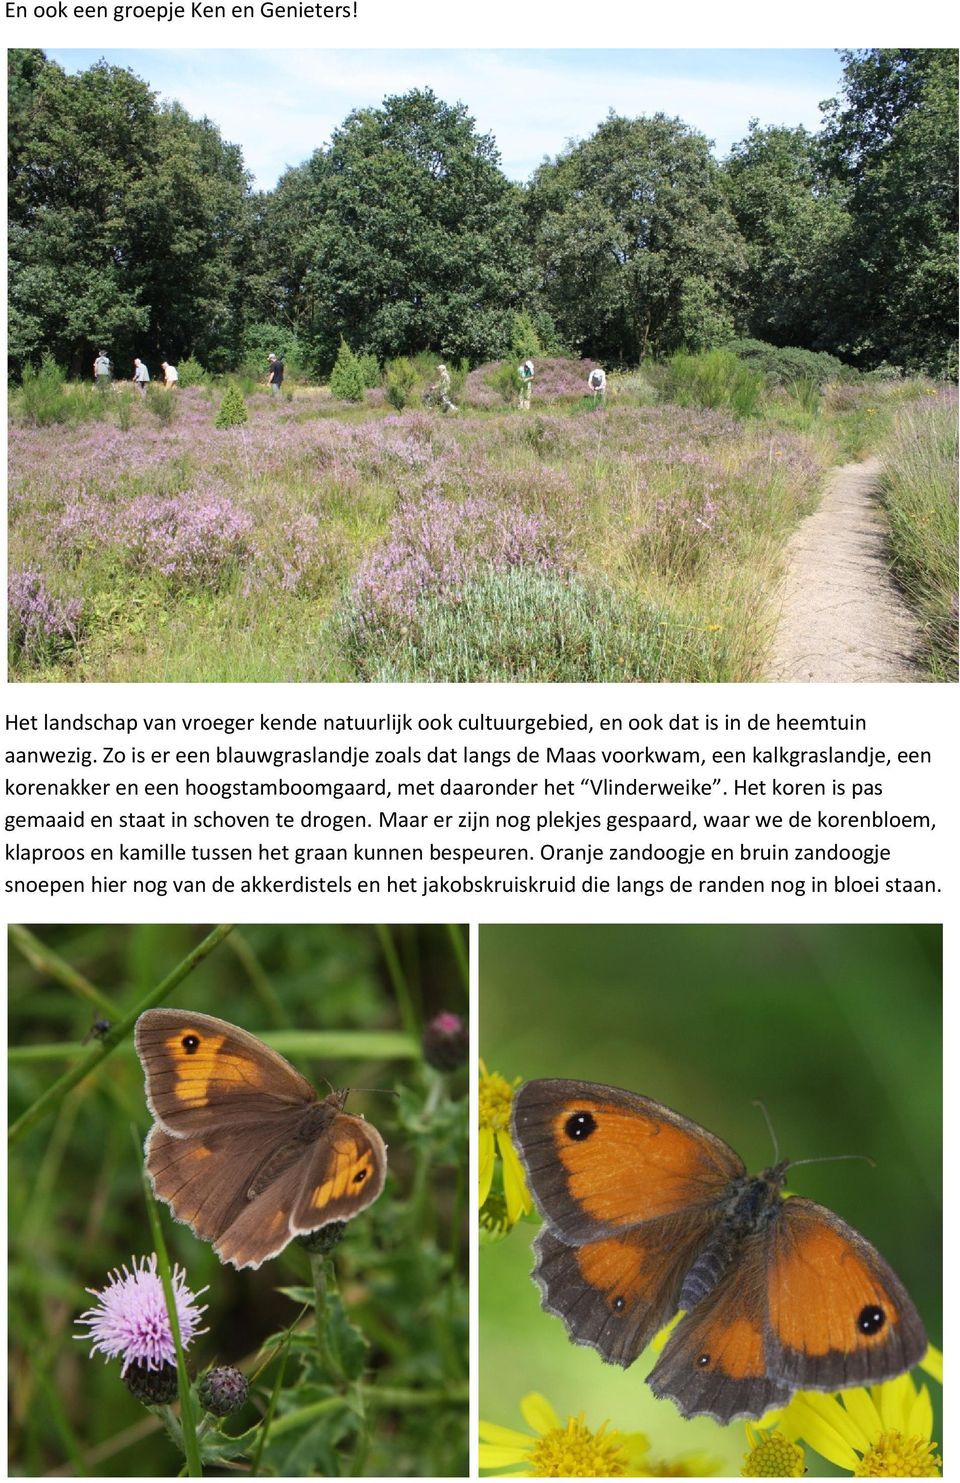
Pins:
x,y
528,624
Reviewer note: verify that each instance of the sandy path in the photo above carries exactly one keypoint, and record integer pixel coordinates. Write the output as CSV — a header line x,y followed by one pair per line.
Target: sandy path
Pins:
x,y
841,617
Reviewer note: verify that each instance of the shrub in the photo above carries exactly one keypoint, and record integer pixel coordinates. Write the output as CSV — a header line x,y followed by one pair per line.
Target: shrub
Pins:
x,y
192,372
524,339
347,381
529,624
42,396
400,382
125,401
714,379
369,368
162,404
786,365
233,409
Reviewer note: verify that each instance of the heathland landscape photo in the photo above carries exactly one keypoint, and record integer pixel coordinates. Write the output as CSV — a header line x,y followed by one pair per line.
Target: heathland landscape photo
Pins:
x,y
658,411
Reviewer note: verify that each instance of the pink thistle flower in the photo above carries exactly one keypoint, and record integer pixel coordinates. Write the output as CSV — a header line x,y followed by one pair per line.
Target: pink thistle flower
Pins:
x,y
132,1321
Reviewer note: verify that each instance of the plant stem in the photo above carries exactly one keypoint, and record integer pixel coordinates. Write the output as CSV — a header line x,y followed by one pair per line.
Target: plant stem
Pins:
x,y
321,1269
47,962
398,979
99,1051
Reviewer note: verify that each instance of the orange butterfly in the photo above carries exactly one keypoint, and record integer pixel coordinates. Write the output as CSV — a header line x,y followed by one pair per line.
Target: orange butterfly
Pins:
x,y
646,1213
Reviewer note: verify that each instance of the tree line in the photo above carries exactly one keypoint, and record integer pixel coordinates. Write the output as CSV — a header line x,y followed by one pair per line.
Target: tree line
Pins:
x,y
133,227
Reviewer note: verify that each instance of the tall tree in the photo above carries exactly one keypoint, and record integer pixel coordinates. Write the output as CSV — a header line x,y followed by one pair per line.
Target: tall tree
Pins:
x,y
126,219
892,139
409,235
792,217
637,247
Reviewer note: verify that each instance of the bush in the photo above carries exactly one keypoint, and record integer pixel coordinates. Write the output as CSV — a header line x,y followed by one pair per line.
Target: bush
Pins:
x,y
715,379
369,368
233,409
192,373
347,381
161,403
401,377
524,339
42,396
530,624
787,365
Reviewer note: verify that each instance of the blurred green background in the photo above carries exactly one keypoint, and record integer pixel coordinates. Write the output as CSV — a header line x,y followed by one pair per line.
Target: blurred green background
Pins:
x,y
77,1205
836,1028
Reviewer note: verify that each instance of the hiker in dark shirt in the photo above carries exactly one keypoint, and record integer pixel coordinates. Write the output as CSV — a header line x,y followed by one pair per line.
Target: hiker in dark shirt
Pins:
x,y
276,374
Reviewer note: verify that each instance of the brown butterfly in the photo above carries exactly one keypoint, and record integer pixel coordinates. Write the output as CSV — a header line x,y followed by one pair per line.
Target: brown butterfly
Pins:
x,y
646,1214
243,1150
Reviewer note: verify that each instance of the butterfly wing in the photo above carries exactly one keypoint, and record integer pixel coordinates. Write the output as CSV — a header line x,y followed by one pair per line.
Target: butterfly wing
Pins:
x,y
600,1160
199,1068
630,1193
838,1313
342,1174
346,1174
616,1293
806,1304
715,1361
207,1181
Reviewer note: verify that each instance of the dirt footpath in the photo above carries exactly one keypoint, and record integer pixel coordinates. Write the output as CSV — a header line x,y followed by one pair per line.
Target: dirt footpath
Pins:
x,y
841,617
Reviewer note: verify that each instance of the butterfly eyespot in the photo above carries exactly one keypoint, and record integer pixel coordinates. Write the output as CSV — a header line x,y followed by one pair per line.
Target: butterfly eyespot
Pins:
x,y
360,1176
190,1043
619,1303
703,1360
871,1319
580,1126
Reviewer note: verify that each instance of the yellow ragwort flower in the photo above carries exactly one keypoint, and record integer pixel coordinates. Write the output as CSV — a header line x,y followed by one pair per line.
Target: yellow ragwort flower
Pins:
x,y
560,1450
883,1432
496,1096
771,1455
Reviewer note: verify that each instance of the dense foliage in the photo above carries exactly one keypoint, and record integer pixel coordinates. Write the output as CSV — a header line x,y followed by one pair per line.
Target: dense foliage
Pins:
x,y
133,229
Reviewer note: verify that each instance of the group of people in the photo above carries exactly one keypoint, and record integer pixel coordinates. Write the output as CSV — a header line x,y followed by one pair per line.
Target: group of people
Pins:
x,y
103,373
103,376
596,384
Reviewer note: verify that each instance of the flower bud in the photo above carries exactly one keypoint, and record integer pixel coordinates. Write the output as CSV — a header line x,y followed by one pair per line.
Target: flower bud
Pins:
x,y
151,1387
223,1390
322,1241
446,1042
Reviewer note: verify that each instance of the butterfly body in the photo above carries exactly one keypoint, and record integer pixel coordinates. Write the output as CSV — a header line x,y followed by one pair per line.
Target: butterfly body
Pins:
x,y
242,1149
647,1214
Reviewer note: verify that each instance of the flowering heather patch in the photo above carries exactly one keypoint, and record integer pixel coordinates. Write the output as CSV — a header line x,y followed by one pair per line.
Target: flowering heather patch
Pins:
x,y
557,378
435,545
328,530
41,626
189,538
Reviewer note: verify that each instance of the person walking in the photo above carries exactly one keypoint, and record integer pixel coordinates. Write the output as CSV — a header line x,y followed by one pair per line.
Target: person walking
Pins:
x,y
102,370
597,383
170,374
525,372
276,374
441,389
141,376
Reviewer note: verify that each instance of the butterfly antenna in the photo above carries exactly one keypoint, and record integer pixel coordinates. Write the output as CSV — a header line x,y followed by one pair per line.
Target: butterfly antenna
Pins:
x,y
770,1129
835,1158
380,1091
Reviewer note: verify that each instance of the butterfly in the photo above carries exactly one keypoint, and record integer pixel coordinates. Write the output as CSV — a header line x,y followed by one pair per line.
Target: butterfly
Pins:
x,y
242,1149
647,1214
